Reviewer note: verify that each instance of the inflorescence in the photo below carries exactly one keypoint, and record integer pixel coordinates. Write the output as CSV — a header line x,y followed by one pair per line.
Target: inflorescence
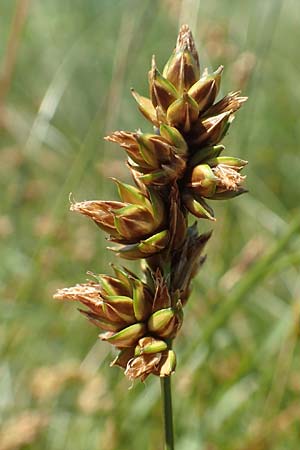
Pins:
x,y
176,170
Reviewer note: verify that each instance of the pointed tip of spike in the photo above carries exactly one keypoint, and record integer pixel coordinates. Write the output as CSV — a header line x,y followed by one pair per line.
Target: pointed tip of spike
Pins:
x,y
185,40
185,34
184,28
153,62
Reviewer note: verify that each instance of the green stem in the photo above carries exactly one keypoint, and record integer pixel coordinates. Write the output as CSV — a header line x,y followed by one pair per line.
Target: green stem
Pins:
x,y
166,393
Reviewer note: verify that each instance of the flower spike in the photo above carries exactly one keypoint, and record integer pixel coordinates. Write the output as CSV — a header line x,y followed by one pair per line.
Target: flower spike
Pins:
x,y
177,169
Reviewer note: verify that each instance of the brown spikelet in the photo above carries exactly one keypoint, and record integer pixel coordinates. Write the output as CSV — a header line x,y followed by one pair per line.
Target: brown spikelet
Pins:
x,y
177,169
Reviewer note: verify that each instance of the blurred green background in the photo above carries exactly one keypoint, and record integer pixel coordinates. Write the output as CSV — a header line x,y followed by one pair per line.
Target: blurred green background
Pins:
x,y
66,72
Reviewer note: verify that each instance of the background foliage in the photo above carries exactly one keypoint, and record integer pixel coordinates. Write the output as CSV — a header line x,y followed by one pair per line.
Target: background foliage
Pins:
x,y
67,68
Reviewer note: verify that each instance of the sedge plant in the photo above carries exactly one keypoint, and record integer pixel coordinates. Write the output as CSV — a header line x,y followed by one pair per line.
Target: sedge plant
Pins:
x,y
176,170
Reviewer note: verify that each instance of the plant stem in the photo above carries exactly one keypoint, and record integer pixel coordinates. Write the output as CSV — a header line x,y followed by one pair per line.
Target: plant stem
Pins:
x,y
166,393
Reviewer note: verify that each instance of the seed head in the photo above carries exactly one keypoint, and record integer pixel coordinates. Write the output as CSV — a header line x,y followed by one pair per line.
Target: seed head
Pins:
x,y
176,169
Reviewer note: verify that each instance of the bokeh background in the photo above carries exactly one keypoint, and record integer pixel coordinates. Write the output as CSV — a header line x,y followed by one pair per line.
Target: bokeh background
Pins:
x,y
66,68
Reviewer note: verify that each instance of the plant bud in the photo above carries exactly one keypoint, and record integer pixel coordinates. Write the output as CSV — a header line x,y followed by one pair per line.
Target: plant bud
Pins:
x,y
229,161
155,243
156,178
165,322
130,194
148,345
202,181
210,131
162,92
183,112
109,313
145,248
125,222
157,208
206,89
113,286
198,207
100,213
142,300
104,324
147,150
168,365
169,172
204,154
123,275
126,337
155,160
128,141
172,135
146,107
163,149
231,102
160,320
182,69
133,222
120,307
